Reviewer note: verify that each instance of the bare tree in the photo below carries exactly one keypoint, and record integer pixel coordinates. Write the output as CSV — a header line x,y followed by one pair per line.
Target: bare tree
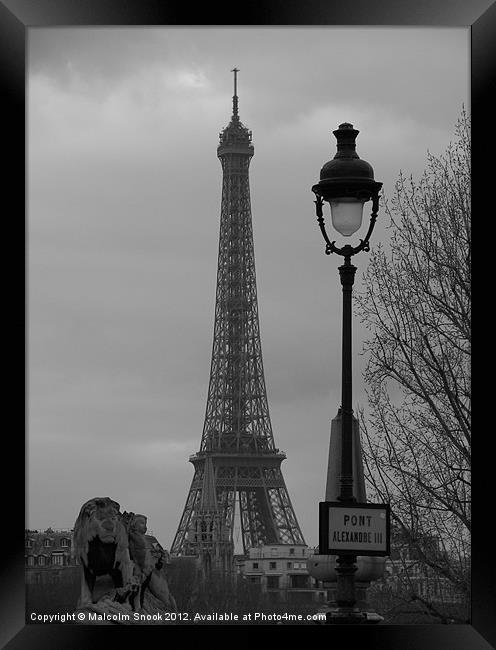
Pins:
x,y
416,306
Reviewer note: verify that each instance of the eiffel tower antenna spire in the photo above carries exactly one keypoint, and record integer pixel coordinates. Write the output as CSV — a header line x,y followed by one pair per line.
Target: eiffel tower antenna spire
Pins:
x,y
235,96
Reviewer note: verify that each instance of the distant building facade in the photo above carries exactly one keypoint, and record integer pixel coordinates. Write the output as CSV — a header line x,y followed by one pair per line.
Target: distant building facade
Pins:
x,y
46,554
280,571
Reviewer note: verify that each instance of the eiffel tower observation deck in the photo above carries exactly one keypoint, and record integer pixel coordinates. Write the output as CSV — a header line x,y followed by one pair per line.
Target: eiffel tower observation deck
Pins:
x,y
238,465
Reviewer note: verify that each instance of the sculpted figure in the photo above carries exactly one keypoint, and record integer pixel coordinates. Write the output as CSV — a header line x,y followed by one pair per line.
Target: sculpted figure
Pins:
x,y
147,568
100,542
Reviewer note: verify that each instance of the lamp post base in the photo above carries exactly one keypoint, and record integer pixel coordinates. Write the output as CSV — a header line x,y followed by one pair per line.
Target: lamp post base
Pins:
x,y
349,616
360,613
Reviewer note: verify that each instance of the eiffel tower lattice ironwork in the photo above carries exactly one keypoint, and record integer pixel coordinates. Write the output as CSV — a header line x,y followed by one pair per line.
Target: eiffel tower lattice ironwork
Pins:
x,y
237,438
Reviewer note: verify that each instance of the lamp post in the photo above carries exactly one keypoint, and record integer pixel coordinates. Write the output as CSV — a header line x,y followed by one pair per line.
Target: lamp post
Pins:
x,y
346,183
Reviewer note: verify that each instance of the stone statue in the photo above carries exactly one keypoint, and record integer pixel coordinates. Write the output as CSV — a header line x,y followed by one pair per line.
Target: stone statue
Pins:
x,y
100,543
111,544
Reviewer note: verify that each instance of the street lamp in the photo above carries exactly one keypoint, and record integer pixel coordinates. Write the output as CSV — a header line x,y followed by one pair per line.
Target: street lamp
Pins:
x,y
346,183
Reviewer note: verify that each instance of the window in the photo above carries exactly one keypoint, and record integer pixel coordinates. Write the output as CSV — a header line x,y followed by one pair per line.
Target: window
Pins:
x,y
41,560
272,565
255,565
299,582
58,559
29,543
272,582
291,551
30,560
64,542
289,565
47,542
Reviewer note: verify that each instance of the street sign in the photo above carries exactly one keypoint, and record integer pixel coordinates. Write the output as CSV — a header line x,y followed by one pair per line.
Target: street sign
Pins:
x,y
353,528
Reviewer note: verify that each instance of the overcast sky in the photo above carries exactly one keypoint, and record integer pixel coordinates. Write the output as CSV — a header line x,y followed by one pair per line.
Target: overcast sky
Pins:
x,y
124,190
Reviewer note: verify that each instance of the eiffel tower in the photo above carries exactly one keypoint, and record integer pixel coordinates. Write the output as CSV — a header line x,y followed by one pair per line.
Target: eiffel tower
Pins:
x,y
238,465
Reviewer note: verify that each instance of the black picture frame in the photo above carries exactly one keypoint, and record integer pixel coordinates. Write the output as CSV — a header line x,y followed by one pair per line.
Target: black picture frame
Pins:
x,y
16,17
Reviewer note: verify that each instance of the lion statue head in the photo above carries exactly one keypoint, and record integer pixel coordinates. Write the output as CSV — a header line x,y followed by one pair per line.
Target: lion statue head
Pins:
x,y
99,517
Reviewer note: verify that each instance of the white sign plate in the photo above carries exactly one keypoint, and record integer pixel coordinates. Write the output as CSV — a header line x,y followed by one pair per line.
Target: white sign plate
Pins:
x,y
364,530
